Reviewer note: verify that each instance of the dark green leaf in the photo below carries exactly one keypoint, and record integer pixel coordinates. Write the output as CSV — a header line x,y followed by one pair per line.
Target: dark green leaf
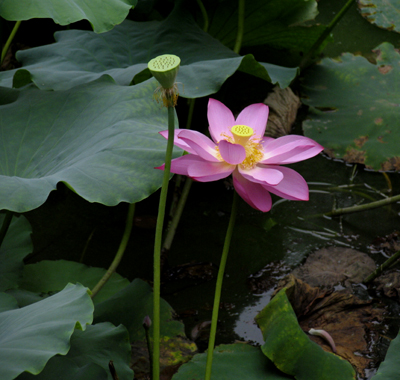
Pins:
x,y
130,305
7,302
16,245
272,22
51,276
123,53
232,362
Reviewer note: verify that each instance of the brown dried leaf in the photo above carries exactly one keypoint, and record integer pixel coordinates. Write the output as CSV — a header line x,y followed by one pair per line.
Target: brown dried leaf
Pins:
x,y
283,105
355,156
389,283
349,320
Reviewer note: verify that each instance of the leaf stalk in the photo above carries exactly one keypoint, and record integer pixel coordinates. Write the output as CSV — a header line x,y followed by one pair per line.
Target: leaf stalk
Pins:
x,y
218,286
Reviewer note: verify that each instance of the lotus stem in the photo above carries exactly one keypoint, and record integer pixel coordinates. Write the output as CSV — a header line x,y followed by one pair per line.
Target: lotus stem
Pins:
x,y
218,286
325,34
179,205
240,29
380,269
9,40
157,243
121,249
204,14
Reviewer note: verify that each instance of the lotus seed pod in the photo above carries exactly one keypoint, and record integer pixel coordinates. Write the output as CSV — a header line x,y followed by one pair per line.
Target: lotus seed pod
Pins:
x,y
165,69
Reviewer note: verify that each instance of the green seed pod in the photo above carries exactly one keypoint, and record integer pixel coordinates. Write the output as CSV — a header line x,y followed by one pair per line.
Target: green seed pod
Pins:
x,y
165,69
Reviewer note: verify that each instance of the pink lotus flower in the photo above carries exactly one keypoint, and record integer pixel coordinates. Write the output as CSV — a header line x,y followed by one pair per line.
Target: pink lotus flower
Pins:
x,y
239,147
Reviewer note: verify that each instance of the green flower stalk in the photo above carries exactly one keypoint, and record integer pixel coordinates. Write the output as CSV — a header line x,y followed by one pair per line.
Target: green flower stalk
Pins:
x,y
165,69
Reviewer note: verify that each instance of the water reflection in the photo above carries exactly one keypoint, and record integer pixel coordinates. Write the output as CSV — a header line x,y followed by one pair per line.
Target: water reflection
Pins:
x,y
245,326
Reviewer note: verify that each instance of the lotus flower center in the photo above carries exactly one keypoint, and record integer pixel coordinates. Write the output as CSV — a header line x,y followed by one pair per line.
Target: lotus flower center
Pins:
x,y
244,135
241,133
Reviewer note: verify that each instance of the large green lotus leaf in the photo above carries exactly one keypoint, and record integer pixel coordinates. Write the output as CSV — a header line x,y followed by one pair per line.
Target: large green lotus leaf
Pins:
x,y
103,15
17,244
355,113
291,350
123,53
51,276
30,336
101,139
97,345
272,22
130,305
390,367
232,362
382,13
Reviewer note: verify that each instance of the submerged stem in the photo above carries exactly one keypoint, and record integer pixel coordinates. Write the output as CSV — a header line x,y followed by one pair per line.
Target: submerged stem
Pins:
x,y
120,252
218,286
368,206
9,40
157,245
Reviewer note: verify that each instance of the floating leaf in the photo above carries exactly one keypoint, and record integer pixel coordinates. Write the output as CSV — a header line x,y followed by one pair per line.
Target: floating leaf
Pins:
x,y
103,15
30,336
100,139
123,53
91,350
382,13
291,349
355,108
17,244
51,276
232,362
